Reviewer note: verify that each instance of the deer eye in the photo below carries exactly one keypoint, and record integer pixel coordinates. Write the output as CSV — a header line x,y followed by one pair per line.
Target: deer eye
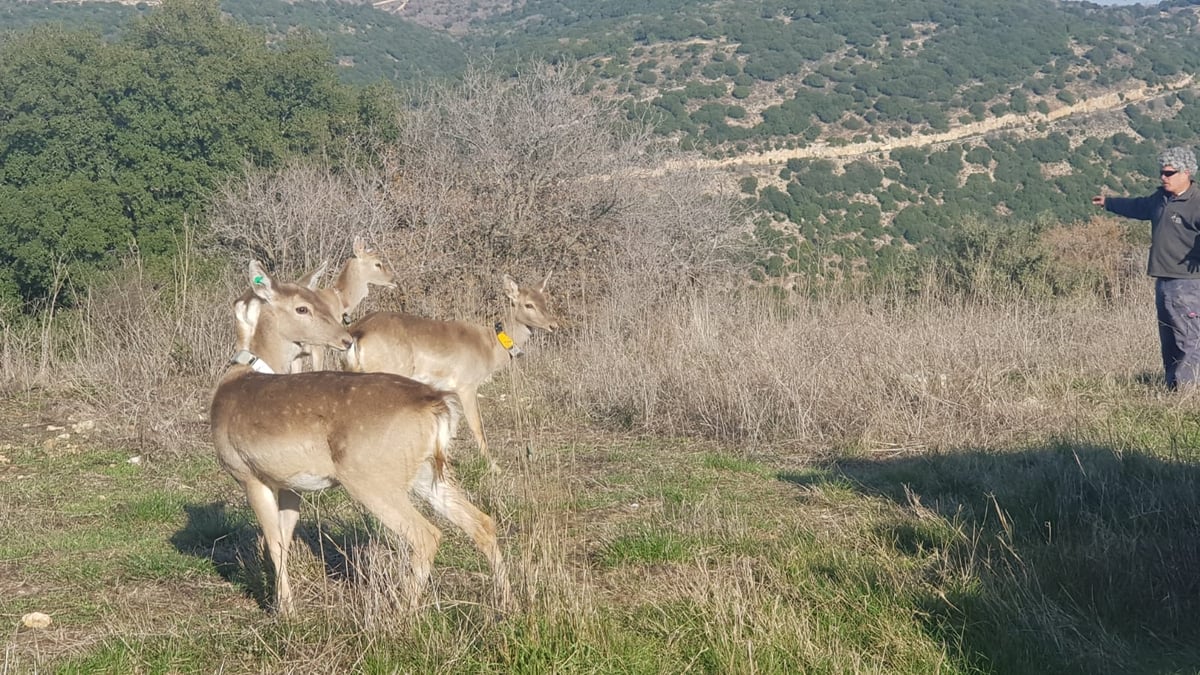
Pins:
x,y
302,309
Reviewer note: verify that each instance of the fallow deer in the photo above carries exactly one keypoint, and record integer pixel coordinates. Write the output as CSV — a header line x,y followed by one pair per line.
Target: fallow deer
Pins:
x,y
454,355
378,435
362,270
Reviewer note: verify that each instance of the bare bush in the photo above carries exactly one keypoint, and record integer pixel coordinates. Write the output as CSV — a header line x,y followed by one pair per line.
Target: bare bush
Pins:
x,y
523,175
296,217
520,172
1094,258
681,230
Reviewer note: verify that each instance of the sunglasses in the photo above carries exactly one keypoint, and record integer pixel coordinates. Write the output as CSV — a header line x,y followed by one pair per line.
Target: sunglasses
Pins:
x,y
1167,174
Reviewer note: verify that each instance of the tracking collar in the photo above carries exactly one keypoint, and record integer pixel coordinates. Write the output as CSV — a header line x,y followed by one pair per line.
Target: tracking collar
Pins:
x,y
506,341
245,358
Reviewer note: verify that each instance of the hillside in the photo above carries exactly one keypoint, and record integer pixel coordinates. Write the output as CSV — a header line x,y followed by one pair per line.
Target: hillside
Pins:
x,y
864,133
729,78
726,73
869,130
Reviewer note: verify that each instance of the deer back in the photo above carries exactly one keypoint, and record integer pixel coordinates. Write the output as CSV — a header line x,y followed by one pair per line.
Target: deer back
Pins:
x,y
307,430
447,354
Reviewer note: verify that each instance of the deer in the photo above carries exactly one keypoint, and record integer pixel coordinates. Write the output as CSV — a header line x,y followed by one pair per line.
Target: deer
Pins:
x,y
453,355
362,270
380,436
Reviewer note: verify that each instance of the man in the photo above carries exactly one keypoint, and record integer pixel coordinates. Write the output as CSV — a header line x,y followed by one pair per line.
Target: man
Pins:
x,y
1174,214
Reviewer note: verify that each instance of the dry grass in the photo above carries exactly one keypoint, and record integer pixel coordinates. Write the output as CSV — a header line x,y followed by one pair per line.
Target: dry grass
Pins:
x,y
843,373
136,356
719,483
849,373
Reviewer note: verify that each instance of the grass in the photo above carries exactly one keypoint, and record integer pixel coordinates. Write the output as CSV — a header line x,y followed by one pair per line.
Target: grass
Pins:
x,y
1001,488
696,559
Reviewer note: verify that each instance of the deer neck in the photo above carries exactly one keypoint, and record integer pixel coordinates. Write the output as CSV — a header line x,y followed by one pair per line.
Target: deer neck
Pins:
x,y
276,353
517,334
350,288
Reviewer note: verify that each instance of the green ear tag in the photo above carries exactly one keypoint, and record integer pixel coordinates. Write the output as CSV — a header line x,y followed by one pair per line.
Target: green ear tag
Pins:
x,y
258,280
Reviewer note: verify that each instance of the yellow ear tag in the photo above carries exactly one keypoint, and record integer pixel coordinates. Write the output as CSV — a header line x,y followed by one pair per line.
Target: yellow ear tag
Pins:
x,y
505,341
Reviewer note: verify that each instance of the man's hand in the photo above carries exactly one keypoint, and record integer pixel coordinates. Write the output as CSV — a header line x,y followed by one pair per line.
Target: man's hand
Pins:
x,y
1098,200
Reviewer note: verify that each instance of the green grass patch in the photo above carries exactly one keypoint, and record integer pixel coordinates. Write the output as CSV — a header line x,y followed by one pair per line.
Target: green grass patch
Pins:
x,y
1165,431
180,653
723,462
646,545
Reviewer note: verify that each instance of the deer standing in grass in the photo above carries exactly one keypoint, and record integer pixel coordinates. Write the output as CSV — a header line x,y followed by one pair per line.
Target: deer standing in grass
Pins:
x,y
378,435
454,355
362,270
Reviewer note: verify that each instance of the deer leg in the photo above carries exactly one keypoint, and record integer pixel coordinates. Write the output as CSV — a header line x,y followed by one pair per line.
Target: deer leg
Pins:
x,y
390,504
470,406
289,515
448,499
265,505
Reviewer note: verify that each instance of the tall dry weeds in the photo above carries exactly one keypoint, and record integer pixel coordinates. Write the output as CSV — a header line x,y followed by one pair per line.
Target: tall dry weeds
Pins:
x,y
134,352
865,372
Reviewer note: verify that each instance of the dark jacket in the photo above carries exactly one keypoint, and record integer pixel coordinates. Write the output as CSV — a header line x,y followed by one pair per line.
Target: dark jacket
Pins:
x,y
1174,230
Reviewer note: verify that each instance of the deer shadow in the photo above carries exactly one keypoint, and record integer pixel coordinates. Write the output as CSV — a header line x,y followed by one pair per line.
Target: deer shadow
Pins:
x,y
231,540
1079,559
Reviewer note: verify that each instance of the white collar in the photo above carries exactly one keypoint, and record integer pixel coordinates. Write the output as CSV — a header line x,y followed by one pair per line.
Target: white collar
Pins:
x,y
245,358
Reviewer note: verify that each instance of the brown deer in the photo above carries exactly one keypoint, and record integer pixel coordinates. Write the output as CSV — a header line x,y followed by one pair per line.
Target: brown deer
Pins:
x,y
453,355
361,271
378,435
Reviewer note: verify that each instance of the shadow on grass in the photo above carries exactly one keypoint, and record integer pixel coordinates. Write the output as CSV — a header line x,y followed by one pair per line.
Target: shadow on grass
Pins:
x,y
231,540
1064,559
1151,380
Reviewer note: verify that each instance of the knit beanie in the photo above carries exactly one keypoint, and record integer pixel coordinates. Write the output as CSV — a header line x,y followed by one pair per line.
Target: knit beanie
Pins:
x,y
1180,157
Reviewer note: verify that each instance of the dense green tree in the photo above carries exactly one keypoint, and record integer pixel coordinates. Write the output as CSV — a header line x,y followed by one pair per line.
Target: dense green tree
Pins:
x,y
861,177
109,146
773,199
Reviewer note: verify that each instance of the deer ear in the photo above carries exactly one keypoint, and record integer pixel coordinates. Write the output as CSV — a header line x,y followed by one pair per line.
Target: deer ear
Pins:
x,y
546,281
245,313
510,288
261,283
359,246
313,278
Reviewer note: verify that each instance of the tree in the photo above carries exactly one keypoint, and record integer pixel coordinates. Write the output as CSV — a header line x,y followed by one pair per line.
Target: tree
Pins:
x,y
110,146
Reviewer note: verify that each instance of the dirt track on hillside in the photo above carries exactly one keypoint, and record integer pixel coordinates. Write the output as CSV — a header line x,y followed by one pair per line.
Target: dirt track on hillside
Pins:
x,y
1103,103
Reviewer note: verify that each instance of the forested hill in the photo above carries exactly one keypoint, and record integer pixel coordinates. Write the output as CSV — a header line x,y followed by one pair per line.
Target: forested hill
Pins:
x,y
736,80
731,76
758,73
1008,114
